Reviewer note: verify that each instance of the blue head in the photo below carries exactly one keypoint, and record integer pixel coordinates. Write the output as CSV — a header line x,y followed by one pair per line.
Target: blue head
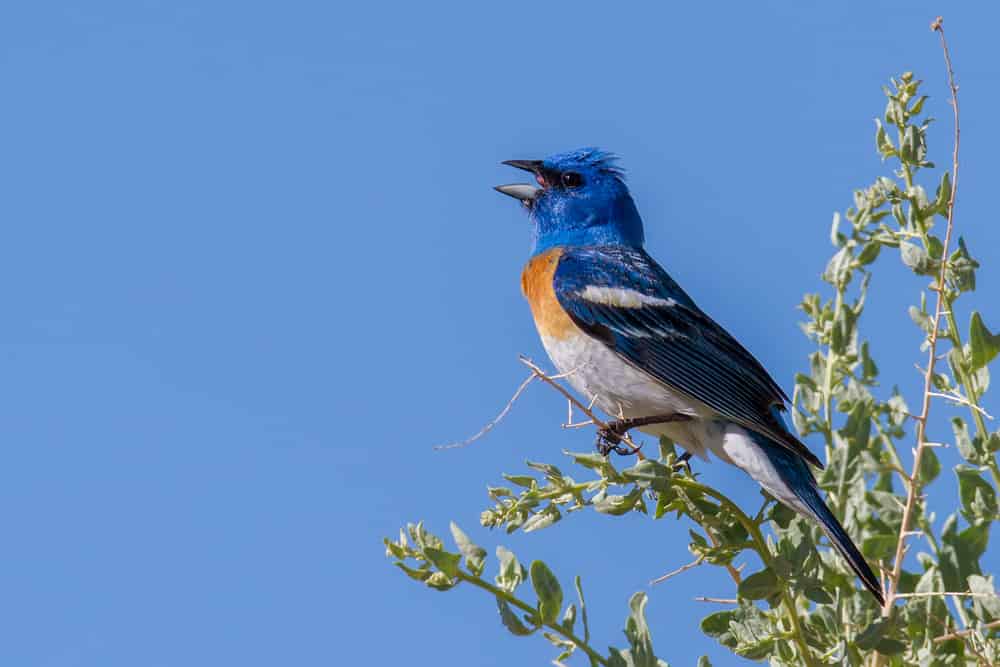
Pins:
x,y
582,200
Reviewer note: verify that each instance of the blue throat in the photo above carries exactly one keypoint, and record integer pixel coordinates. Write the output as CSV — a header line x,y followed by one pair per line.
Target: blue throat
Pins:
x,y
617,224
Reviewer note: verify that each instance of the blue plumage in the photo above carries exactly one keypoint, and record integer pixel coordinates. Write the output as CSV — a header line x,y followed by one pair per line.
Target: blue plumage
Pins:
x,y
629,337
600,213
674,341
800,480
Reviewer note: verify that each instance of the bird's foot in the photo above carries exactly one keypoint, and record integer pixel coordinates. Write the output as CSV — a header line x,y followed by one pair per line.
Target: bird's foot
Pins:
x,y
610,439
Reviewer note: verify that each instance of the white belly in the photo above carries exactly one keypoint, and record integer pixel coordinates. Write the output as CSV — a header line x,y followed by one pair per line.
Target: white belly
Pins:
x,y
620,390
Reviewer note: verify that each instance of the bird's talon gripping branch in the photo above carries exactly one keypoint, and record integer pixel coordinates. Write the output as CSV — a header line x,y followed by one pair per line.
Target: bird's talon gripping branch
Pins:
x,y
610,439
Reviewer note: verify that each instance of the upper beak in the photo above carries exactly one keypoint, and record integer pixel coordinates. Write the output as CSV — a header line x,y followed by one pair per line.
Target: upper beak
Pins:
x,y
528,165
522,191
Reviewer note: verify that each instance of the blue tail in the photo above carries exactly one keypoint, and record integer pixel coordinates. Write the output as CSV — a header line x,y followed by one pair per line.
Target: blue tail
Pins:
x,y
795,473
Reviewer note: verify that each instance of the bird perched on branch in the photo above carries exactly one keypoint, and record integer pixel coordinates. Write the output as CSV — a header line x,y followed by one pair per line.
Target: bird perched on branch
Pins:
x,y
629,338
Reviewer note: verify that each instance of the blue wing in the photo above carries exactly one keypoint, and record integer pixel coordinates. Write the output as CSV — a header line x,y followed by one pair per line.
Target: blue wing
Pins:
x,y
666,335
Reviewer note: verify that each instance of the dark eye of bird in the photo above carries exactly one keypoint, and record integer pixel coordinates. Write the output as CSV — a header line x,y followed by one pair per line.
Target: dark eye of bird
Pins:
x,y
571,179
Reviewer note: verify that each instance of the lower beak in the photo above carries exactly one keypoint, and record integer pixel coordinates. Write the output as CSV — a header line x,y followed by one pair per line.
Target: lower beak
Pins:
x,y
522,191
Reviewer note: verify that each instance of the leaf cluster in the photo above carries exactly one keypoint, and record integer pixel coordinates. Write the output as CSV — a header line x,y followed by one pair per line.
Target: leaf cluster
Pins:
x,y
800,604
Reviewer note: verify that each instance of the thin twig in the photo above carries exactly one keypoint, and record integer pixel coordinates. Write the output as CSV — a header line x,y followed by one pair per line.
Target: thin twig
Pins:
x,y
702,598
934,594
551,381
960,400
964,633
683,568
496,420
913,490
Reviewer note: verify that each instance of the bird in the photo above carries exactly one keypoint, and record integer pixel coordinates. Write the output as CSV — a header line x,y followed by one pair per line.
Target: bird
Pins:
x,y
630,339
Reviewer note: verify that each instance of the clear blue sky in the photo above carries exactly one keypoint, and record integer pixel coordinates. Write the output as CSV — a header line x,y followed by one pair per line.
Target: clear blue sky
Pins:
x,y
253,270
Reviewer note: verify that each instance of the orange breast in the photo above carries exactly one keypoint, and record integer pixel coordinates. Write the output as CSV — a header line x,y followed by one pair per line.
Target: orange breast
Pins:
x,y
536,284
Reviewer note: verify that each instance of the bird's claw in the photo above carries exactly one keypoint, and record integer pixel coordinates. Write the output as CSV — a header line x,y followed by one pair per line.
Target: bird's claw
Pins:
x,y
610,439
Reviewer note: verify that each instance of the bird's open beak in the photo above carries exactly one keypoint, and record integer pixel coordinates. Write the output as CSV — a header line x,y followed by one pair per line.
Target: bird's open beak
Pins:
x,y
522,191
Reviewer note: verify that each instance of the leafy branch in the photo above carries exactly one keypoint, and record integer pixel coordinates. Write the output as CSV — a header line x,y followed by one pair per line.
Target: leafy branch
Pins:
x,y
801,604
443,570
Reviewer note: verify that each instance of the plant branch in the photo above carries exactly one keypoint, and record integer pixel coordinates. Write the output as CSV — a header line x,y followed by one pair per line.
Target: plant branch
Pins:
x,y
496,420
525,607
598,422
673,573
753,529
964,633
914,485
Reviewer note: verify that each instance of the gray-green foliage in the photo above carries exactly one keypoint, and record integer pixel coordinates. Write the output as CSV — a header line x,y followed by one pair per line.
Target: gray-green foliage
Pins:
x,y
803,606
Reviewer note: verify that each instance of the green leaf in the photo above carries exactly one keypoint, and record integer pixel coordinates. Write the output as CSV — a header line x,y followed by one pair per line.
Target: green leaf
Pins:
x,y
445,561
962,273
441,581
616,659
422,538
569,618
960,552
781,515
869,253
511,621
921,319
550,470
475,555
394,550
703,661
583,608
616,505
818,595
882,142
887,646
979,501
930,467
872,635
421,574
987,606
835,236
759,586
591,460
527,481
838,269
879,545
968,447
511,572
649,474
943,195
567,647
637,632
869,371
985,345
548,590
542,519
916,258
909,145
716,624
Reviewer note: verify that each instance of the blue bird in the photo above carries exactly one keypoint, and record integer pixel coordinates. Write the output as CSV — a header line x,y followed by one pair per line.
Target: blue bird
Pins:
x,y
630,339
